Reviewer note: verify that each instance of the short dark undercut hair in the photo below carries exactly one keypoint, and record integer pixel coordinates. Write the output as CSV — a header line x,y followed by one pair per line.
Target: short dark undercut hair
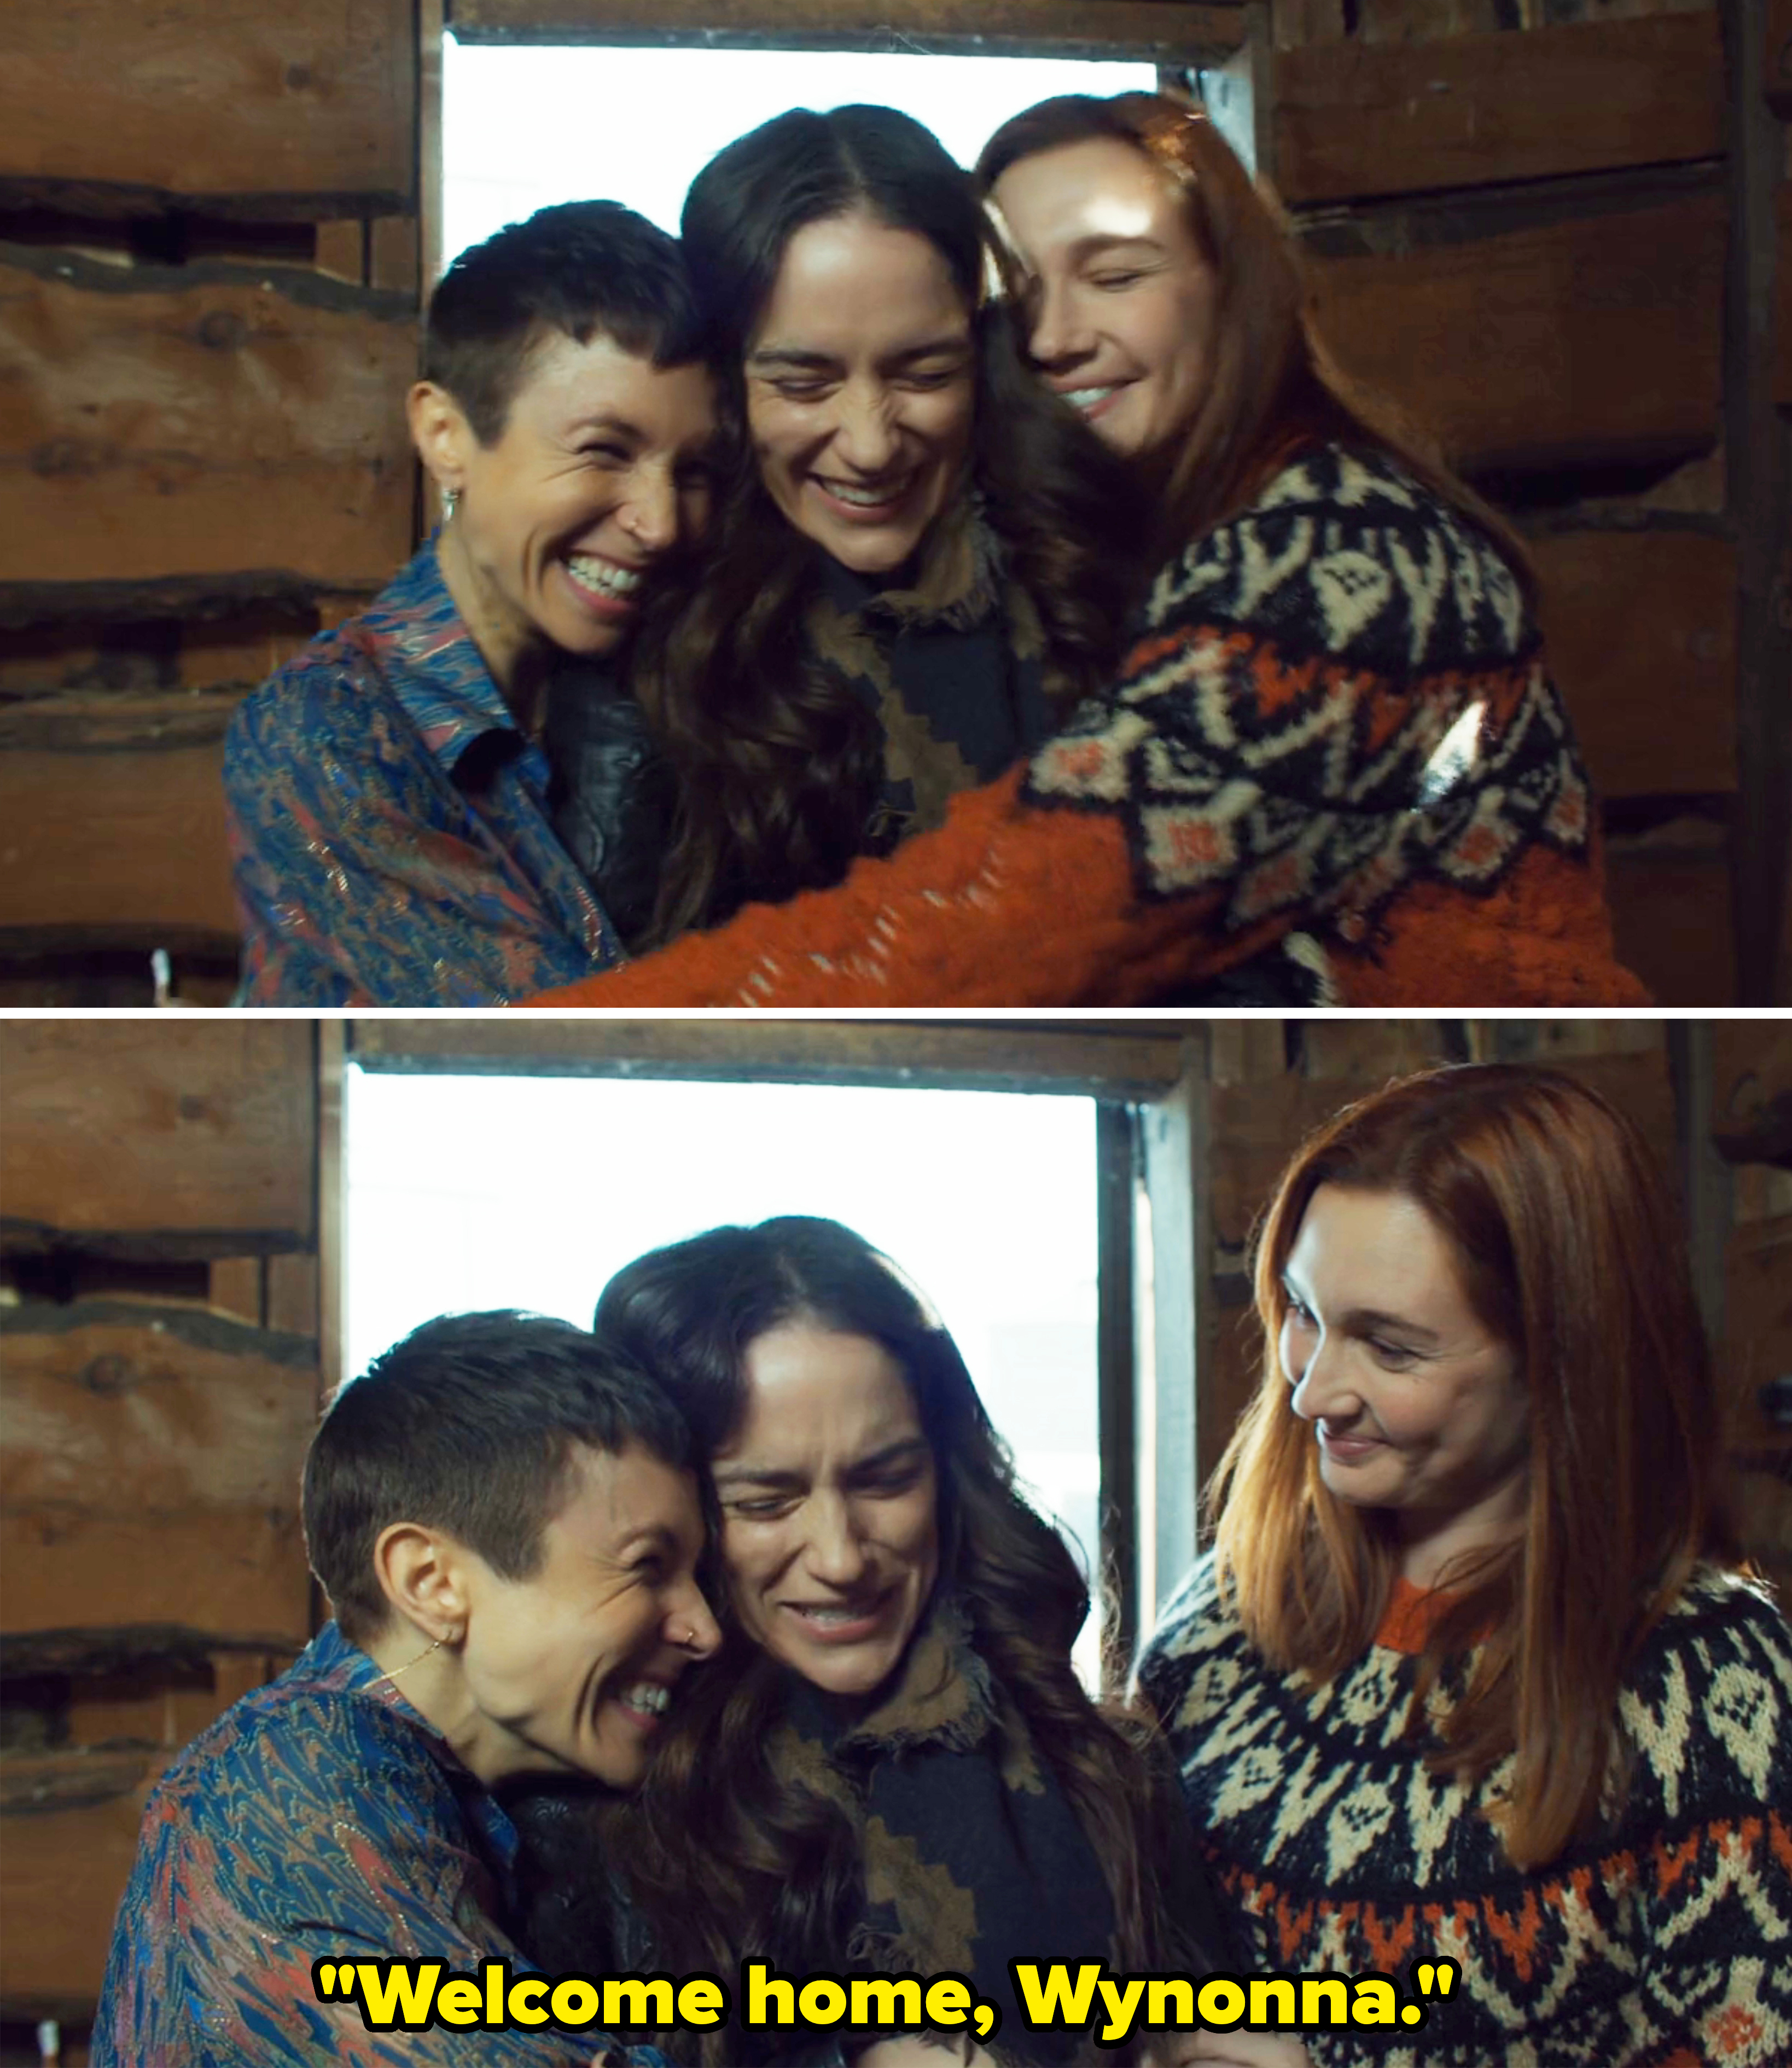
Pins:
x,y
469,1426
579,268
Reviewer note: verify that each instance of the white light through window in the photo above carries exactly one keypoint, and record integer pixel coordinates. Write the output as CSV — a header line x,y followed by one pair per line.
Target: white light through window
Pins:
x,y
467,1193
522,128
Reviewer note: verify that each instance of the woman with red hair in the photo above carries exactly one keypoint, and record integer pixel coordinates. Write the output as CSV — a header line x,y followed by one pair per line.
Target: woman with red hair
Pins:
x,y
1332,768
1472,1672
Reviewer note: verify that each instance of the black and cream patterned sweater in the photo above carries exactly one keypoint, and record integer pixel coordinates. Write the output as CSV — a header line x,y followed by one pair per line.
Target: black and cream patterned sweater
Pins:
x,y
1665,1943
1332,769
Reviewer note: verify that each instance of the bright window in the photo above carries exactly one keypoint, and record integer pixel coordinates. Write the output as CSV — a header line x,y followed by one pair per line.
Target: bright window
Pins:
x,y
470,1192
525,127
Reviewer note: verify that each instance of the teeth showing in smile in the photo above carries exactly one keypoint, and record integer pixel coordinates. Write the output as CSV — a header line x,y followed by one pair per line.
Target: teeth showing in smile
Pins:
x,y
834,1615
1086,398
866,498
604,577
648,1696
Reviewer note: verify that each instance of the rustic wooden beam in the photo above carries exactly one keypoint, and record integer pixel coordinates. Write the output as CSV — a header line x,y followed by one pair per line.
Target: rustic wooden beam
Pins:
x,y
194,599
91,1652
201,422
255,104
937,1056
151,1463
61,1877
1781,376
1117,1389
1670,892
122,843
1758,442
1579,336
1757,1310
1751,1110
1776,57
1353,119
148,1129
100,724
72,1780
1639,628
1162,32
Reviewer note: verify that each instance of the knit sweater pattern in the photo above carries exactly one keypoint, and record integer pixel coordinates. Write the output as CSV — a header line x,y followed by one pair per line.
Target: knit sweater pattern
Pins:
x,y
1663,1941
1334,743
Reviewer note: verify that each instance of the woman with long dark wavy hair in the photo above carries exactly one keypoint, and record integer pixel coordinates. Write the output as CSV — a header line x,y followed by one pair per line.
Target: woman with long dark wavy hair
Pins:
x,y
1332,767
922,563
891,1766
1474,1672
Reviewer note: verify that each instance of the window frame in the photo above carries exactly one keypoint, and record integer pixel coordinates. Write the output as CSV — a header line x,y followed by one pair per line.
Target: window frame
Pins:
x,y
1148,1081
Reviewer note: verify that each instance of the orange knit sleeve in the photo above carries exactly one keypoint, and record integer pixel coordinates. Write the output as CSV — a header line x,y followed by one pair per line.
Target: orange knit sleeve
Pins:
x,y
1005,904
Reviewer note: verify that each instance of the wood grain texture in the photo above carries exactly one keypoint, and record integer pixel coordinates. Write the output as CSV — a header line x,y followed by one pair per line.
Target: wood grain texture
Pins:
x,y
1672,900
1258,1124
1353,119
1590,339
266,106
1169,31
151,1471
1751,1113
205,422
130,1407
167,1131
1640,631
1757,1326
1140,1065
147,659
61,1877
233,1571
1777,57
114,823
1782,292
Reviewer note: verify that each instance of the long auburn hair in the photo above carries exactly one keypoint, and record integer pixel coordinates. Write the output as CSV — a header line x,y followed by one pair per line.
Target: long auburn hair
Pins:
x,y
779,767
728,1860
1570,1252
1274,385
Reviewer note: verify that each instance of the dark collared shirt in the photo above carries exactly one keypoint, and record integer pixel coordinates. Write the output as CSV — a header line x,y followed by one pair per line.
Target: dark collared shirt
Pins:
x,y
389,823
320,1816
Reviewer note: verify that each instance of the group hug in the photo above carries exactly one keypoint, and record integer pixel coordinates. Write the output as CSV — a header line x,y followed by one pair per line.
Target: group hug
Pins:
x,y
912,586
723,1632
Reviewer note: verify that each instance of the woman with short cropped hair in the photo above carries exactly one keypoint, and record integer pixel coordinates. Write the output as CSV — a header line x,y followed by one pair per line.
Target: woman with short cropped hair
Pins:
x,y
393,815
500,1512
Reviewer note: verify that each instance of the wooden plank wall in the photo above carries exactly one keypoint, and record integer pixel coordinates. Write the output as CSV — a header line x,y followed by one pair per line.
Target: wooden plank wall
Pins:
x,y
208,282
1270,1082
1528,230
1751,1123
158,1346
1522,222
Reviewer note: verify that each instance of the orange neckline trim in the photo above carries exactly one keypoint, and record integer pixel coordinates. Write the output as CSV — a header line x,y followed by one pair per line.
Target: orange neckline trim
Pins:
x,y
1412,1613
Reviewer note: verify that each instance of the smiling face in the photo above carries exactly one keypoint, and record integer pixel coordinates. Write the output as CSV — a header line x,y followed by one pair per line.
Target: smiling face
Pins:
x,y
860,385
1124,295
1416,1408
830,1508
602,470
572,1668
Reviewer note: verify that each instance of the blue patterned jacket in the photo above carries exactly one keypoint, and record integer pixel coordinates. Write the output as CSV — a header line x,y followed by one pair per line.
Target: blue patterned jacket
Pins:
x,y
319,1816
389,823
